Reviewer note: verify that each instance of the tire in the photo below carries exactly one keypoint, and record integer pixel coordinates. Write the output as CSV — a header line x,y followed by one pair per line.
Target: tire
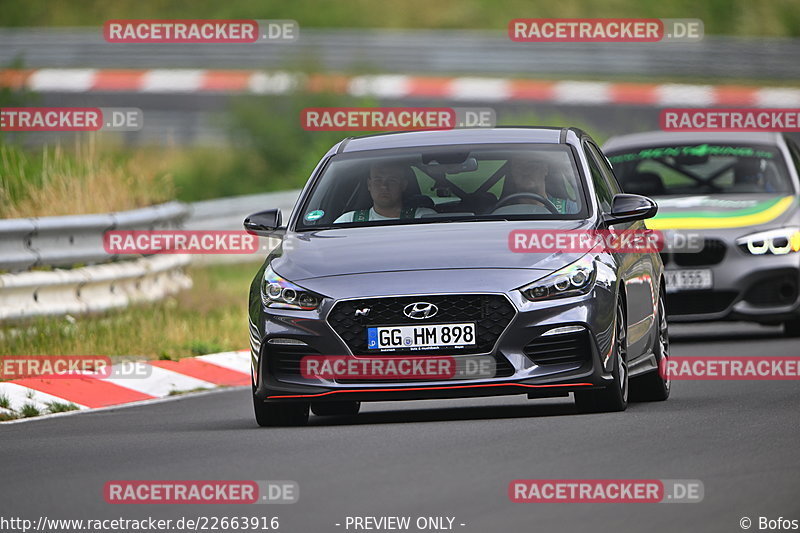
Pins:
x,y
280,414
652,387
791,328
615,396
335,408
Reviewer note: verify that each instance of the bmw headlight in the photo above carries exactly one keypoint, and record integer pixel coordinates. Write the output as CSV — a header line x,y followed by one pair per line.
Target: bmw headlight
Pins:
x,y
283,294
775,242
572,280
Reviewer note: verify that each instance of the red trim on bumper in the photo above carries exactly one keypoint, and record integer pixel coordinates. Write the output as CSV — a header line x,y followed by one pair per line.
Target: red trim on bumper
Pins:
x,y
401,389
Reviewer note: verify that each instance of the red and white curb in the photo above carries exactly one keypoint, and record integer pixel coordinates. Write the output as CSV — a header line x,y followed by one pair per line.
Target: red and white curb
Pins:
x,y
166,378
161,81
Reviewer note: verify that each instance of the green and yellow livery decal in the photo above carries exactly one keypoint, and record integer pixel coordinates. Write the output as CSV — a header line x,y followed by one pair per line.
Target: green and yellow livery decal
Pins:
x,y
759,213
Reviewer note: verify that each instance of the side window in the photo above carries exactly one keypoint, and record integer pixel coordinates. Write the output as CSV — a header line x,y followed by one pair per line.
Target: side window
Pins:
x,y
605,168
795,151
604,194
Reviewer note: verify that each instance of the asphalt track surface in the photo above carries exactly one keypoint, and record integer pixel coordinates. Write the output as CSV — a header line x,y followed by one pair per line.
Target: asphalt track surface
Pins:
x,y
439,458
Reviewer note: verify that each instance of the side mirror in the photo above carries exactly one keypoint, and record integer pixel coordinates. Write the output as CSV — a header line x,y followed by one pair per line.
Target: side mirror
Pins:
x,y
263,223
630,207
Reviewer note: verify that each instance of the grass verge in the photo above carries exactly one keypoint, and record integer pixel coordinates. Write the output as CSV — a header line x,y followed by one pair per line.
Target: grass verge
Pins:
x,y
85,179
29,410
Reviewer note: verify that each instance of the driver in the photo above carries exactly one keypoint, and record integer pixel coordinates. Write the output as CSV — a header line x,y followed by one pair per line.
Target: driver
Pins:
x,y
386,184
528,174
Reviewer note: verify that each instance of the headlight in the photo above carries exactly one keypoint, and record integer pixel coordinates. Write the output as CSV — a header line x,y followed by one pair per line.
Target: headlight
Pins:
x,y
572,280
776,242
283,294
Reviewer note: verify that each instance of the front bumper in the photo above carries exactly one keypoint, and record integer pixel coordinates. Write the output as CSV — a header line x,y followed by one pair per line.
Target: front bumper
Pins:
x,y
763,289
525,361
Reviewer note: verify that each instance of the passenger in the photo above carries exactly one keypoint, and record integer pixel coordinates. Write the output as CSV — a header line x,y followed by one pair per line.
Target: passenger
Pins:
x,y
529,173
748,176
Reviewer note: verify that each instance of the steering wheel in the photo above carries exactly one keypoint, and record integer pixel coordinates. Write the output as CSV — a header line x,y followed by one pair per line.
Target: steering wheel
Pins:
x,y
511,199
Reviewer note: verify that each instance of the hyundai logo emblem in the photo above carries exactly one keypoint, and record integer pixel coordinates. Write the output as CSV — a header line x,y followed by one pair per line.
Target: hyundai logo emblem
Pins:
x,y
420,310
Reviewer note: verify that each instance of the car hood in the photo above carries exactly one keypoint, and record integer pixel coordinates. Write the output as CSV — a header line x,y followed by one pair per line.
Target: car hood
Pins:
x,y
722,211
431,246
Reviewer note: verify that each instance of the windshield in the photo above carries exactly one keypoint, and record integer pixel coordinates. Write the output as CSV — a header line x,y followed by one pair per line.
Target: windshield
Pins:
x,y
701,169
441,184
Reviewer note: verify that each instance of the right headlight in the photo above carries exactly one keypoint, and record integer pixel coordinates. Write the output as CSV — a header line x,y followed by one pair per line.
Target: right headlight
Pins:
x,y
572,280
282,293
776,242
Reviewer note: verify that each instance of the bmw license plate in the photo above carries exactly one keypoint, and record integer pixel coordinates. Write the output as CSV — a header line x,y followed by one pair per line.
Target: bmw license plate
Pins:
x,y
688,280
427,337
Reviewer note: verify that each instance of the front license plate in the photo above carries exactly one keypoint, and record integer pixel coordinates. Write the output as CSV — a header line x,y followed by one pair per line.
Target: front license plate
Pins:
x,y
688,280
421,337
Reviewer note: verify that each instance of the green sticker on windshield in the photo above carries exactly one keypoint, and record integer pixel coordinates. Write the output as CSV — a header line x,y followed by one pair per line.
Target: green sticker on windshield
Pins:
x,y
700,150
315,215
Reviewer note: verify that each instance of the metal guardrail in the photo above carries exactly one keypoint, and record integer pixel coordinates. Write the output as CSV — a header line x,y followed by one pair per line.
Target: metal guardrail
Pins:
x,y
229,214
76,239
91,289
440,51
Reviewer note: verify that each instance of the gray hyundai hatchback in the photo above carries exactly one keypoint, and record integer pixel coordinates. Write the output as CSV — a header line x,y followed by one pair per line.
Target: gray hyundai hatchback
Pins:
x,y
399,251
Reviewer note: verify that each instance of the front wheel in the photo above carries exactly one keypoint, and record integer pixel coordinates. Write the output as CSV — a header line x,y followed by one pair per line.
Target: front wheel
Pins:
x,y
791,328
280,414
615,396
655,386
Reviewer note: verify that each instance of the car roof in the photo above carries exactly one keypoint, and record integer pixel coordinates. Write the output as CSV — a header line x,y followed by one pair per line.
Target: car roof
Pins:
x,y
457,136
660,138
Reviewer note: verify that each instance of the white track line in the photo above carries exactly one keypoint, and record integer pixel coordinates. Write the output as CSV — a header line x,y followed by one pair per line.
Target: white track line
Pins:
x,y
172,81
124,405
238,361
161,382
778,97
685,95
19,396
64,80
482,89
582,92
387,86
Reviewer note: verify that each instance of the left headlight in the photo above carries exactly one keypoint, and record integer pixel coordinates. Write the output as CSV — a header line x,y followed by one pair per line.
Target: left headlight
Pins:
x,y
775,242
572,280
283,294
